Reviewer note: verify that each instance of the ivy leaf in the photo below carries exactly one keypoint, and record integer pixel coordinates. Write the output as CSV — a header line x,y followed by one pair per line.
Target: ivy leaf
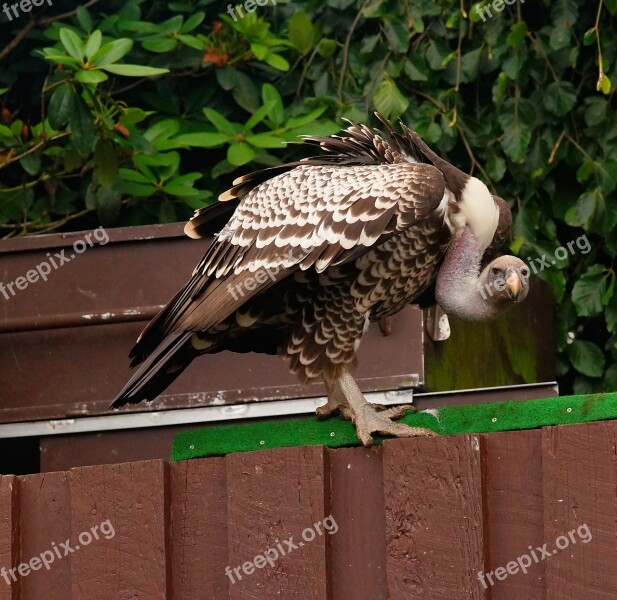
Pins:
x,y
516,137
517,34
588,291
416,68
587,358
560,97
389,100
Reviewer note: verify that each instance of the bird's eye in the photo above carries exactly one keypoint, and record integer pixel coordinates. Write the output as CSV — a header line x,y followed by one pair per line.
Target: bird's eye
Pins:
x,y
525,272
495,271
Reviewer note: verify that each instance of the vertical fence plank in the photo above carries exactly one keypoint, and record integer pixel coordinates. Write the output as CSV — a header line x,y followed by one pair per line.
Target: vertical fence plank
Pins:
x,y
358,550
45,520
515,513
9,536
199,529
275,497
434,517
132,563
580,487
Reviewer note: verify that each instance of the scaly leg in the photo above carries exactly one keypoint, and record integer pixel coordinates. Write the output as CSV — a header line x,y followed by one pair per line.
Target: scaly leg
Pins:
x,y
345,396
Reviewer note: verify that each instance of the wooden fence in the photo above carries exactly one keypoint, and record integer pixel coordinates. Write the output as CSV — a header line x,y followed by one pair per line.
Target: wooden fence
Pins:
x,y
415,518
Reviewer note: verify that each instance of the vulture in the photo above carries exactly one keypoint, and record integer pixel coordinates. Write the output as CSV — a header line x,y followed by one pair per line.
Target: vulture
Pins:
x,y
307,254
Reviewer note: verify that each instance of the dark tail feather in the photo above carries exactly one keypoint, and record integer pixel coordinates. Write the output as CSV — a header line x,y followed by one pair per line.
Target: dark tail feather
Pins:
x,y
157,372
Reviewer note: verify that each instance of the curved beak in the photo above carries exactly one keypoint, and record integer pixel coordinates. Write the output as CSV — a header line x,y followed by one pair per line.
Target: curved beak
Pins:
x,y
513,285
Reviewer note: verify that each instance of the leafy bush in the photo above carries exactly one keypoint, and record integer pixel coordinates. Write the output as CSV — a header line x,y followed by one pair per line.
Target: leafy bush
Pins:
x,y
135,112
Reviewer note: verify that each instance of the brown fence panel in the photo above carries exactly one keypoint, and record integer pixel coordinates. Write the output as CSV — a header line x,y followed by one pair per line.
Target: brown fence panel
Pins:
x,y
580,485
358,557
199,529
130,499
434,520
45,516
9,536
274,497
515,514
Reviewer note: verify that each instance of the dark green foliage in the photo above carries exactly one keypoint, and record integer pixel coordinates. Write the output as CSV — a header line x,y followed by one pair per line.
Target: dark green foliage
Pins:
x,y
151,109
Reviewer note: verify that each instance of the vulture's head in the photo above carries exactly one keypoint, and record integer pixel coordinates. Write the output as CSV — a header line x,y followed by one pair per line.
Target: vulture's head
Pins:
x,y
465,290
504,281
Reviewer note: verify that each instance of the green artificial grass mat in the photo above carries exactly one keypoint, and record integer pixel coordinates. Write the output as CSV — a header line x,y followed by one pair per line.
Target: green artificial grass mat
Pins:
x,y
335,433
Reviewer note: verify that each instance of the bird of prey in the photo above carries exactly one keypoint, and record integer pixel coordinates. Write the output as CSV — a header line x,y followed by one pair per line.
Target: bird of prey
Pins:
x,y
310,253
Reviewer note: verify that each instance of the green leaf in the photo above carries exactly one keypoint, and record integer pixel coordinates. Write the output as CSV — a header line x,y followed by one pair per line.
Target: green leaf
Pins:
x,y
589,37
106,201
167,213
191,41
160,44
134,176
201,140
587,358
596,111
272,98
277,62
105,162
302,32
303,120
604,84
135,70
389,100
91,77
326,47
72,43
179,189
582,213
61,106
264,140
258,116
517,34
220,122
516,137
560,97
240,153
588,291
61,59
81,123
192,22
416,68
93,45
112,52
31,164
84,19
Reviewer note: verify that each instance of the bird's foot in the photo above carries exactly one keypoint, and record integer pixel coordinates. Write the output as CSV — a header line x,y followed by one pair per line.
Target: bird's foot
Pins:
x,y
393,412
345,397
342,408
328,409
368,420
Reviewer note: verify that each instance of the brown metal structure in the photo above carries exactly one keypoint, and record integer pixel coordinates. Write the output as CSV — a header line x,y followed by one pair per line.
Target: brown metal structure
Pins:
x,y
416,519
79,325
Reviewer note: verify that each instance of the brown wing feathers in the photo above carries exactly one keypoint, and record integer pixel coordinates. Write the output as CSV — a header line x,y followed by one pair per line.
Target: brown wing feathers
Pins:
x,y
312,214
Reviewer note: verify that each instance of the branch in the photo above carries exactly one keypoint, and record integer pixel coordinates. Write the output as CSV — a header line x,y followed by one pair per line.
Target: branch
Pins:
x,y
346,51
33,23
32,150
